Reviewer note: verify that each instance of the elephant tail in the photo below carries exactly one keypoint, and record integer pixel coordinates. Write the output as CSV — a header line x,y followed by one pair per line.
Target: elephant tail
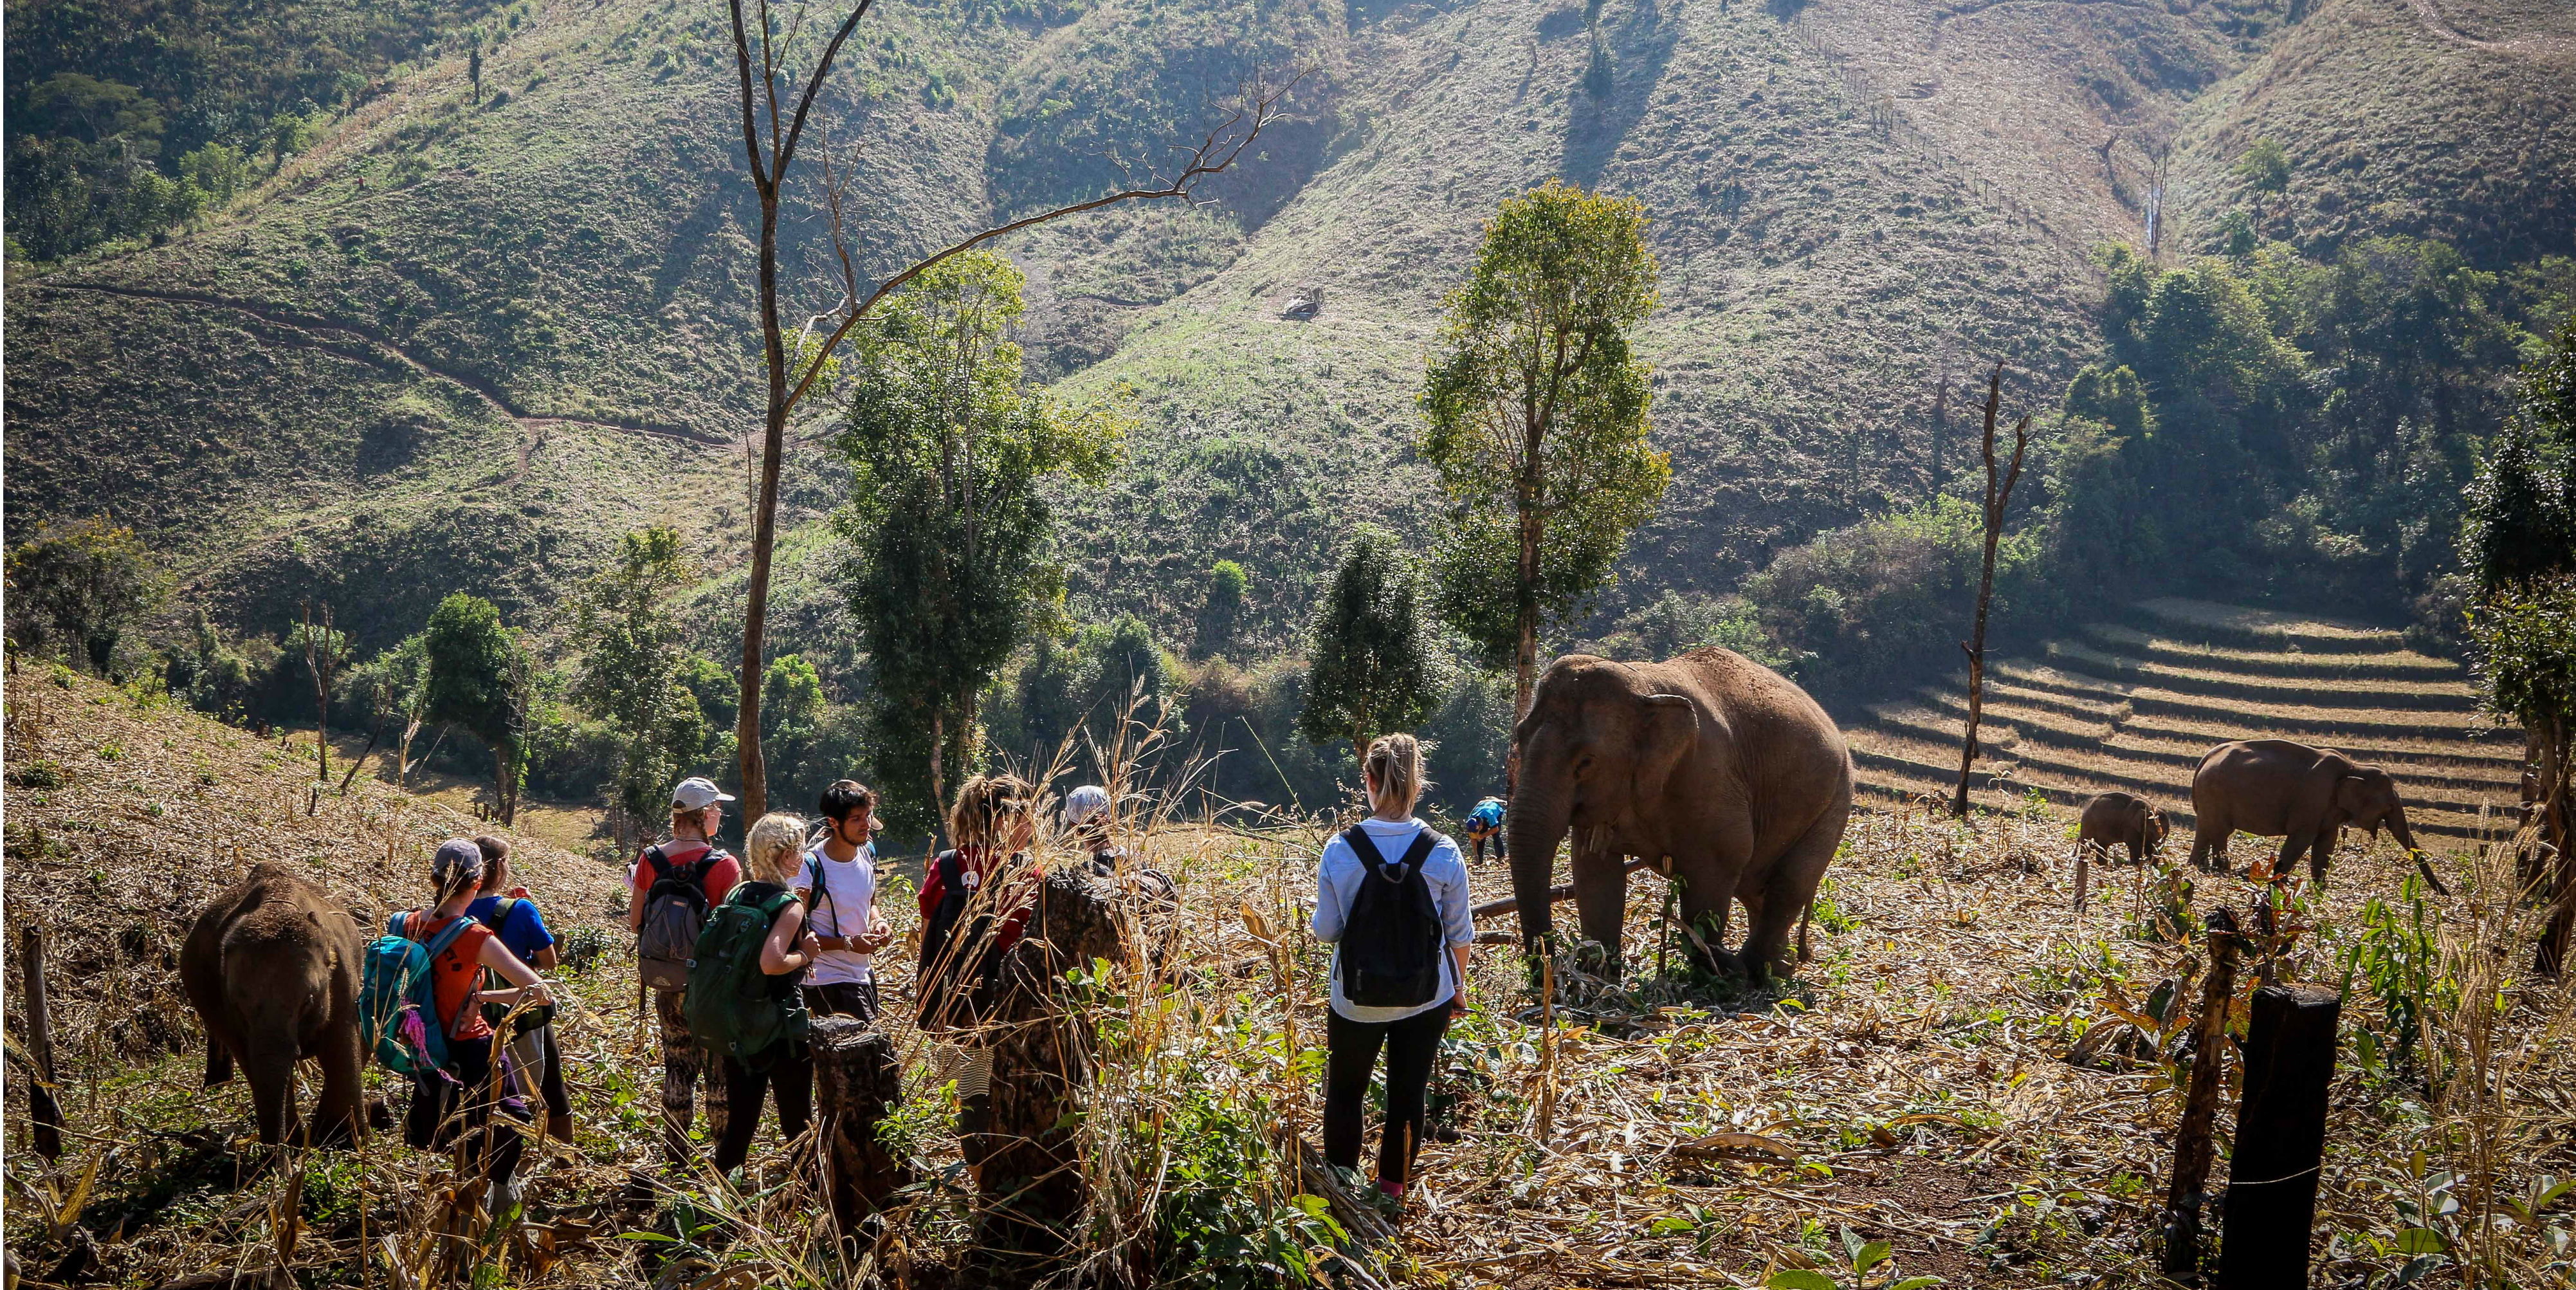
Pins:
x,y
1804,954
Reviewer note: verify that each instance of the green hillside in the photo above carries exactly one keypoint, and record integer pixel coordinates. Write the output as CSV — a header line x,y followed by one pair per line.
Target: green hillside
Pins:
x,y
463,342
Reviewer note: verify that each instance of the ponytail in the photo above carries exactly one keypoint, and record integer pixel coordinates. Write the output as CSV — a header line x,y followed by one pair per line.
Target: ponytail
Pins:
x,y
1395,769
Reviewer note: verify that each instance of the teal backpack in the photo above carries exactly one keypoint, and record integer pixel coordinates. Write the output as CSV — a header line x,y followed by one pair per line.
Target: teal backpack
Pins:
x,y
735,1009
398,1017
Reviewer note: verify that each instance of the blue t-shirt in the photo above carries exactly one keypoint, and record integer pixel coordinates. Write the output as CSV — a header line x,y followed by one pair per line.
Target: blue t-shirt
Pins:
x,y
523,929
1487,817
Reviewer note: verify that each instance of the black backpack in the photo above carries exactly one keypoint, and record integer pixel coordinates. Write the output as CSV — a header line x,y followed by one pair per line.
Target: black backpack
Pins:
x,y
675,912
1391,940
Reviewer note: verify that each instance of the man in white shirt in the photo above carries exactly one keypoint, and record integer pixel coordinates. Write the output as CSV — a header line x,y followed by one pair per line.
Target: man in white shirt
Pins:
x,y
839,887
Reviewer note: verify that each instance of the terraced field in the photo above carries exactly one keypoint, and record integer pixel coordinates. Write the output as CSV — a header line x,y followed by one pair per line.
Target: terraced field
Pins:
x,y
2134,704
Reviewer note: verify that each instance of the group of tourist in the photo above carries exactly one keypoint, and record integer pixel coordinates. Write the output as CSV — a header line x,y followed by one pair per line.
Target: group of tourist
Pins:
x,y
795,919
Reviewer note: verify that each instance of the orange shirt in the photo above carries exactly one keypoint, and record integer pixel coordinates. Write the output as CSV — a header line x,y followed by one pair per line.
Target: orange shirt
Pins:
x,y
455,972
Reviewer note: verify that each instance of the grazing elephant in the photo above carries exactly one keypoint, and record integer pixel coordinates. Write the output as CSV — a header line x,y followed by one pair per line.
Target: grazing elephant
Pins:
x,y
2122,819
272,968
1712,765
2301,795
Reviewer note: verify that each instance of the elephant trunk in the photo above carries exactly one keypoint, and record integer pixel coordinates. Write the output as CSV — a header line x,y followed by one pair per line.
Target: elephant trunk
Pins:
x,y
1535,825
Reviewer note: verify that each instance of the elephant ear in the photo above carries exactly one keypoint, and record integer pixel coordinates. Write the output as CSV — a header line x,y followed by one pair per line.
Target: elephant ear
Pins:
x,y
1666,734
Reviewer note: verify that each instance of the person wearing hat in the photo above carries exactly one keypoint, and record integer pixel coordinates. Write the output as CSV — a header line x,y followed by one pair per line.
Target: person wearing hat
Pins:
x,y
690,855
447,1112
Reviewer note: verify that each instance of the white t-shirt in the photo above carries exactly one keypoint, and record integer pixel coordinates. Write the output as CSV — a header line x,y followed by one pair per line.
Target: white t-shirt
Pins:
x,y
1338,876
839,907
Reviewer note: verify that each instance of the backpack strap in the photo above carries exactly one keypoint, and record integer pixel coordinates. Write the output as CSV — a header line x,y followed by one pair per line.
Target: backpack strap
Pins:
x,y
1364,846
822,890
1423,844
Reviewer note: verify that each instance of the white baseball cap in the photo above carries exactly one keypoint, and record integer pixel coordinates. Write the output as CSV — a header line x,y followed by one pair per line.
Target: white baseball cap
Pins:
x,y
697,793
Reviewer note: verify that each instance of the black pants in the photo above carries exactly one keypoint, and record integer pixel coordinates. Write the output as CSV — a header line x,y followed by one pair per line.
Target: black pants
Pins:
x,y
1350,1052
843,999
792,1078
446,1115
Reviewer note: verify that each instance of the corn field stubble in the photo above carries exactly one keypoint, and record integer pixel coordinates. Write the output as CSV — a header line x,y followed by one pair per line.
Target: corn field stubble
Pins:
x,y
1904,1101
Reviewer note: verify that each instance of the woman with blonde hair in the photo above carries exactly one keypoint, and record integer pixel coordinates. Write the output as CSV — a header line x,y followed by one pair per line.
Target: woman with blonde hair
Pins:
x,y
776,851
975,904
1391,896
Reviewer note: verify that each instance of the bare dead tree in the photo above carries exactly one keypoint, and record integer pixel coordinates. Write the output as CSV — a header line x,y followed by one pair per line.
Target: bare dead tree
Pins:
x,y
777,106
321,659
1998,496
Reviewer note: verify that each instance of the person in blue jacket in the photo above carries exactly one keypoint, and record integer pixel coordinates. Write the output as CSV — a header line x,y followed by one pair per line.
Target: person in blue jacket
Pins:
x,y
1486,823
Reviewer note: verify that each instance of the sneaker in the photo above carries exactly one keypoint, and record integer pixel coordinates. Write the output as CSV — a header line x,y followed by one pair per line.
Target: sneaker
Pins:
x,y
1394,1190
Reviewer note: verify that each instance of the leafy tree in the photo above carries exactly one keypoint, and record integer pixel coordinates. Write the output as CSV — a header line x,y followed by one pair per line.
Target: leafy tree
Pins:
x,y
2521,521
76,589
1084,686
2525,640
1369,663
792,710
479,679
2265,167
951,532
1536,418
1221,611
630,670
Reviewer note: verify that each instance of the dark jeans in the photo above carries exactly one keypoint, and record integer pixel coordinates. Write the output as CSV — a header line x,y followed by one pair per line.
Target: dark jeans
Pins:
x,y
446,1115
791,1075
843,999
1351,1051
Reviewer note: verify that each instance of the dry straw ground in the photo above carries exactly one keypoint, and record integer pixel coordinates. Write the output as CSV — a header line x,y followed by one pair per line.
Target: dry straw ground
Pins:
x,y
1912,1083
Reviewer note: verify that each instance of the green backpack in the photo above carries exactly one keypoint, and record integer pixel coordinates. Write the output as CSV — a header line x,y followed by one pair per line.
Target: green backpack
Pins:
x,y
734,1009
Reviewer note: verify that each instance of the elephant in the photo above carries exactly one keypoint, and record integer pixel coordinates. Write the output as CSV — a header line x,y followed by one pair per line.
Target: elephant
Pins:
x,y
2301,795
2122,819
272,969
1715,768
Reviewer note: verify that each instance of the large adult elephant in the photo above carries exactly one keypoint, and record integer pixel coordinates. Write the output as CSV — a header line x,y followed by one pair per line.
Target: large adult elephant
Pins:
x,y
1711,764
272,968
2304,796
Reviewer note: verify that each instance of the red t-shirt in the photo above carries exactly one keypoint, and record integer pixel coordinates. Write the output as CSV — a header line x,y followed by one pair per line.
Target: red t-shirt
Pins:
x,y
455,972
721,876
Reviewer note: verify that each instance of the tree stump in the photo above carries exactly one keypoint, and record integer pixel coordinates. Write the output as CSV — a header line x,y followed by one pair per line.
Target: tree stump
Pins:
x,y
1031,1185
857,1084
2280,1138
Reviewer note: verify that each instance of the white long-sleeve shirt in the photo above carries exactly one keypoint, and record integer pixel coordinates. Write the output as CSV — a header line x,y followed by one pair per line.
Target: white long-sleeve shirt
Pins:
x,y
1338,876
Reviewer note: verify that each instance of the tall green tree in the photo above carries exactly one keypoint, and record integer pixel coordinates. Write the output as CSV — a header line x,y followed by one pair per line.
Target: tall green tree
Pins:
x,y
1535,416
631,659
952,537
479,680
1370,668
2519,543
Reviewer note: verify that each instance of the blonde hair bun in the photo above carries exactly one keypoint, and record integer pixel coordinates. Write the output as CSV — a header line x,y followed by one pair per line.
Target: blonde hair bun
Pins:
x,y
1395,769
774,847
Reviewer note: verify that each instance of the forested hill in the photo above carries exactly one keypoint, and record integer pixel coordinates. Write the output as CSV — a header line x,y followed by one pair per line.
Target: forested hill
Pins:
x,y
448,333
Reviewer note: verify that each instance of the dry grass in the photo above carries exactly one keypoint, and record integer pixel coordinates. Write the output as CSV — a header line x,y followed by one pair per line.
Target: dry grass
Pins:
x,y
1910,1083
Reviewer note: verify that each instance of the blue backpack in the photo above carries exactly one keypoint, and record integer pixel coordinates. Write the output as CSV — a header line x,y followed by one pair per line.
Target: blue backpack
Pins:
x,y
398,1017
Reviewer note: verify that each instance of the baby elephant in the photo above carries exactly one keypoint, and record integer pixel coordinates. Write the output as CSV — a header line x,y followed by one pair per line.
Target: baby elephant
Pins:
x,y
272,968
2122,819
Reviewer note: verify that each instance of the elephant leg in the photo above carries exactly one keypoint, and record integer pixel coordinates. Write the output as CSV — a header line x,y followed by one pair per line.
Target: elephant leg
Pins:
x,y
2292,847
1785,893
270,1066
2209,847
205,989
335,1117
1704,911
1601,900
2320,853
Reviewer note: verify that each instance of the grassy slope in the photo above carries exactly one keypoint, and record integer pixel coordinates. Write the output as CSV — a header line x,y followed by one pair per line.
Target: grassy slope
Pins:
x,y
2406,116
444,284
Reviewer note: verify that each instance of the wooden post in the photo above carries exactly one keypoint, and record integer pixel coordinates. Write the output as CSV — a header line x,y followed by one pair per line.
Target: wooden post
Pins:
x,y
1547,1051
41,1106
857,1084
2280,1138
2192,1140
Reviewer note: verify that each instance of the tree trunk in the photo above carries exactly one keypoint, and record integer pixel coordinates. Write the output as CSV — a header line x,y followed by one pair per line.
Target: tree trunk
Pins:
x,y
938,789
764,529
1998,497
2193,1138
1525,590
42,1108
857,1083
2280,1138
2550,957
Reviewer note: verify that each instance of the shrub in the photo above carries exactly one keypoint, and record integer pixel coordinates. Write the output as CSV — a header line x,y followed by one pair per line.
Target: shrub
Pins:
x,y
75,589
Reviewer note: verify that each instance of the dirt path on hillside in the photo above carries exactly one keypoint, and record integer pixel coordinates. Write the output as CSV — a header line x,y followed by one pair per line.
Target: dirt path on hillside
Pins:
x,y
366,344
2429,14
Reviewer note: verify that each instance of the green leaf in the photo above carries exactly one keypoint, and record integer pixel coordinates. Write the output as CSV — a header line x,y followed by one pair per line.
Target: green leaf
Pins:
x,y
1916,1283
1800,1279
1871,1255
2422,1240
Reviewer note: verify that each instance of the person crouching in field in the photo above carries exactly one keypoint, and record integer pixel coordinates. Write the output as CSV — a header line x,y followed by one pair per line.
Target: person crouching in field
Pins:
x,y
838,884
1485,824
512,916
457,1105
1391,896
675,883
975,904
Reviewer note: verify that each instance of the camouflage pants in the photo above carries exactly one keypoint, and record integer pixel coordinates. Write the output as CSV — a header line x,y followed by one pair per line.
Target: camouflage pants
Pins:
x,y
684,1066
